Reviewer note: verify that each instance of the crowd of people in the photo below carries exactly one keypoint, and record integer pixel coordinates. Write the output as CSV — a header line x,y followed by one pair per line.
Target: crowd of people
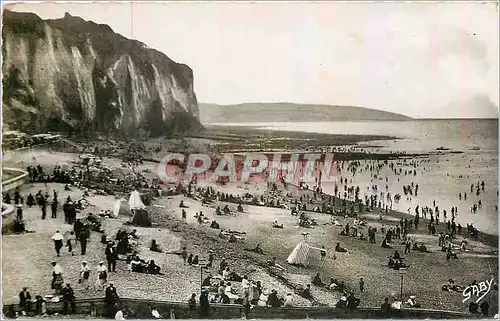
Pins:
x,y
219,287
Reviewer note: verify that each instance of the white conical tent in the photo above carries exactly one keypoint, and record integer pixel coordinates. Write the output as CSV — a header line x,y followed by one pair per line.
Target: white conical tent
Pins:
x,y
299,254
135,202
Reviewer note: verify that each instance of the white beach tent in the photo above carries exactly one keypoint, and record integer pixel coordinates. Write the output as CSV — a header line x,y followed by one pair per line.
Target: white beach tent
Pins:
x,y
135,202
300,254
117,206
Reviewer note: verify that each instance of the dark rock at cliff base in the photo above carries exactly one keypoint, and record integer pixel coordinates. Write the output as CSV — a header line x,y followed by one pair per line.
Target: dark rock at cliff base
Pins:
x,y
75,76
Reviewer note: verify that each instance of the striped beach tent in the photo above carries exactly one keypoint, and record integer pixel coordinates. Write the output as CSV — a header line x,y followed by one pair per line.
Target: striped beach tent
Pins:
x,y
300,254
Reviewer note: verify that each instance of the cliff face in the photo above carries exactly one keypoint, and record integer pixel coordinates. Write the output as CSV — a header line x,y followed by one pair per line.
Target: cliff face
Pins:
x,y
74,75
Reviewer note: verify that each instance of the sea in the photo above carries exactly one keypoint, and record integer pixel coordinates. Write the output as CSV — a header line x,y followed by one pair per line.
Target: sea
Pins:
x,y
462,152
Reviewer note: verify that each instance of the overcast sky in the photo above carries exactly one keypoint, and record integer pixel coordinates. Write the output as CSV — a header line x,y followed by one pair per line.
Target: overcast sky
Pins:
x,y
412,58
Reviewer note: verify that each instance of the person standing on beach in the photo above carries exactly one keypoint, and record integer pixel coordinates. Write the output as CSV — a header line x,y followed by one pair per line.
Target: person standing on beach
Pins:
x,y
204,304
111,256
57,278
84,275
83,237
361,285
43,207
184,255
407,246
68,298
53,208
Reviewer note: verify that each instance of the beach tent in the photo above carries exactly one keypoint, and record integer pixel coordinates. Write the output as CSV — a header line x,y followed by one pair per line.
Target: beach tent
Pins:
x,y
135,201
141,217
300,254
120,208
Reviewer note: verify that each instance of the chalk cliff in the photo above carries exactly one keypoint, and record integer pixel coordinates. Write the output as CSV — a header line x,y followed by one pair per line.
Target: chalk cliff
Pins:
x,y
74,75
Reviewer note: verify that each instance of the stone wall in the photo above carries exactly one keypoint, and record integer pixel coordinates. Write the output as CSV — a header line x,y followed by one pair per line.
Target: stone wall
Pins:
x,y
20,178
8,216
231,311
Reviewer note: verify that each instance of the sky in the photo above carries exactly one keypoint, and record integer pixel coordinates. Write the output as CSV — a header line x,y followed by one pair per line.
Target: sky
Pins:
x,y
421,59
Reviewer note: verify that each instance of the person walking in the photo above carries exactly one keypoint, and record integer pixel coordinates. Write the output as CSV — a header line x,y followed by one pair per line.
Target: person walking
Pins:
x,y
84,275
102,276
58,242
70,243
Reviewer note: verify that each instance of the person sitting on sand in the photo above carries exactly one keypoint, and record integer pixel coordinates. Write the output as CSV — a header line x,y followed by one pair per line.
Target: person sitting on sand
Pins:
x,y
226,273
232,238
263,300
451,254
463,245
421,248
306,292
218,211
412,302
196,260
396,255
137,265
134,234
152,268
19,226
215,225
352,301
182,204
385,244
207,281
391,262
288,301
451,286
341,303
339,248
336,222
273,299
154,247
400,264
226,210
132,257
333,284
276,225
257,250
272,263
317,280
230,292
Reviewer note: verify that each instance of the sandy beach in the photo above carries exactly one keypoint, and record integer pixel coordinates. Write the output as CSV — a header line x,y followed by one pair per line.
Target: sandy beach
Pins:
x,y
428,271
